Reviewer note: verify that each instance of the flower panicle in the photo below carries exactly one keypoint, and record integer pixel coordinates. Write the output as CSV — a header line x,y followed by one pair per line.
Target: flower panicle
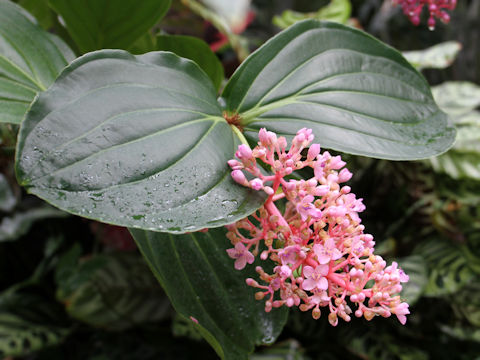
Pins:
x,y
436,8
323,258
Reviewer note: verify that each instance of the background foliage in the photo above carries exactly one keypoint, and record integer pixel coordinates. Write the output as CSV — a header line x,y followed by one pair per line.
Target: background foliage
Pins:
x,y
67,281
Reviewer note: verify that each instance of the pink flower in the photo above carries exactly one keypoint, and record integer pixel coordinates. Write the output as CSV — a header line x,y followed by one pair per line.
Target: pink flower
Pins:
x,y
241,254
315,278
327,252
305,208
400,311
290,254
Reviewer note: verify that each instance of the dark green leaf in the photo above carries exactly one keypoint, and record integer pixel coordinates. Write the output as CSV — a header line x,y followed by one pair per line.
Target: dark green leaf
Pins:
x,y
194,49
203,285
137,141
114,292
357,94
97,24
30,60
18,224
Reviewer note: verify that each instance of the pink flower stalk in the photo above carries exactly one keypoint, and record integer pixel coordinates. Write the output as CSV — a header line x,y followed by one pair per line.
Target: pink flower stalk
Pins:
x,y
436,8
323,258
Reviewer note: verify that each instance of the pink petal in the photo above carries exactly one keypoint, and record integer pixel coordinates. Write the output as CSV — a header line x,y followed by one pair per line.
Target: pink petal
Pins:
x,y
308,271
309,284
323,258
336,254
322,269
402,319
232,252
322,284
240,263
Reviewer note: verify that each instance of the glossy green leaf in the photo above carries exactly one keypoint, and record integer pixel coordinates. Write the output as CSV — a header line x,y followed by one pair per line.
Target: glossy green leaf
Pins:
x,y
18,224
30,60
357,94
114,292
337,11
439,56
194,49
199,277
97,24
137,141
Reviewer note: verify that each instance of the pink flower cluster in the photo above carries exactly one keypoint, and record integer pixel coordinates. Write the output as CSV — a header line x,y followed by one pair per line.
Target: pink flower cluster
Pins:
x,y
322,257
436,8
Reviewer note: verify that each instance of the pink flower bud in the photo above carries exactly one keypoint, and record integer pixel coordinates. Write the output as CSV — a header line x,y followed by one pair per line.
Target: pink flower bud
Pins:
x,y
313,152
344,175
239,177
256,184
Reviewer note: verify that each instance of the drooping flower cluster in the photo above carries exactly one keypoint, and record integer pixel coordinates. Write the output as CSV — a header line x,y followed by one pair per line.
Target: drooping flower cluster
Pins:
x,y
436,9
322,257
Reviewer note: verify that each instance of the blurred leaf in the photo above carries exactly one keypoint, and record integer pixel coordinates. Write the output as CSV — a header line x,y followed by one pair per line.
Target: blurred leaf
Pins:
x,y
448,268
439,56
115,292
135,141
467,302
100,24
199,277
40,9
30,60
285,350
7,198
337,11
357,95
18,224
462,332
457,97
233,12
458,164
414,266
194,49
28,323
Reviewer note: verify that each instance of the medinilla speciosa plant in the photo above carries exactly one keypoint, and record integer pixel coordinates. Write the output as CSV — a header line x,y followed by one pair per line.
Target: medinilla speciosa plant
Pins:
x,y
146,142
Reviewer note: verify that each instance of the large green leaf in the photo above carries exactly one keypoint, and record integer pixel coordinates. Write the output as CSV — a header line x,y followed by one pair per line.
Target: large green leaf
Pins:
x,y
137,141
199,277
30,60
194,49
357,94
97,24
114,292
